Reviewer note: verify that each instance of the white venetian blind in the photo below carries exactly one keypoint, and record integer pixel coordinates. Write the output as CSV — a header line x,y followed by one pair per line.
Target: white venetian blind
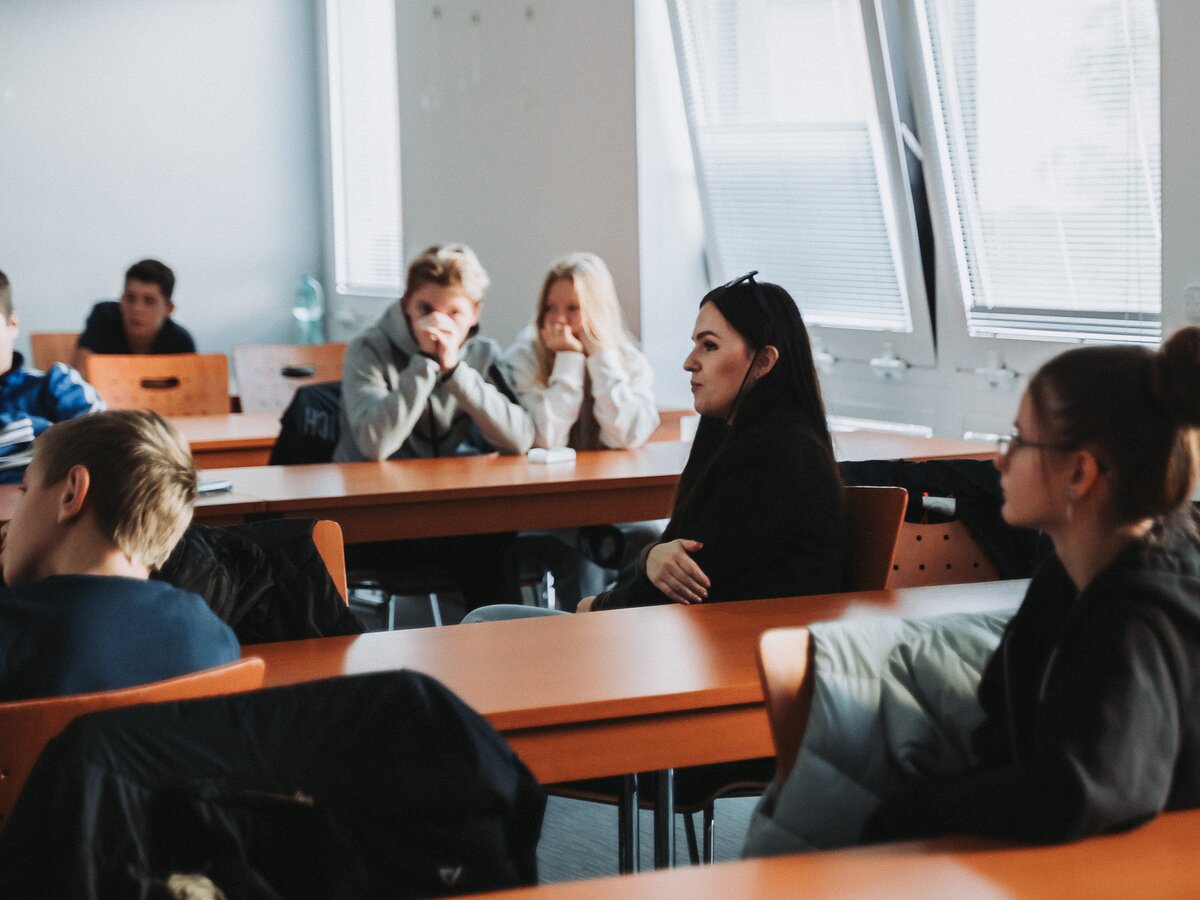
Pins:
x,y
1049,128
781,106
364,122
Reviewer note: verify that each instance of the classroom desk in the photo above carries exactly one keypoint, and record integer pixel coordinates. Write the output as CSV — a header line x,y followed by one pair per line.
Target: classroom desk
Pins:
x,y
235,439
217,509
413,498
1157,860
617,691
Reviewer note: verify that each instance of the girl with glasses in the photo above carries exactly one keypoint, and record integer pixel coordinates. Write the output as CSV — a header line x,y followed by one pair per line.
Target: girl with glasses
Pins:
x,y
1092,699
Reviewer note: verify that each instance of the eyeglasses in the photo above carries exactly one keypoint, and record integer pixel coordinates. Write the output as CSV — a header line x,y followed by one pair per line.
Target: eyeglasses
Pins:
x,y
1009,443
758,293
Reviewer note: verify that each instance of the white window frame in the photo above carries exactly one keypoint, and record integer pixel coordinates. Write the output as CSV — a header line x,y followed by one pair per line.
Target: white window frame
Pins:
x,y
917,346
348,315
965,352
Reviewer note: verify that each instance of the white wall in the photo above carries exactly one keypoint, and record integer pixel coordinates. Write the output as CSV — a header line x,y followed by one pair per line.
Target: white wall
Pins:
x,y
517,138
1180,24
174,129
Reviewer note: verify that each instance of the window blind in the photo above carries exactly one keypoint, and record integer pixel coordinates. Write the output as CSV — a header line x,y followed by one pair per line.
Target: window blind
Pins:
x,y
364,123
1048,128
781,107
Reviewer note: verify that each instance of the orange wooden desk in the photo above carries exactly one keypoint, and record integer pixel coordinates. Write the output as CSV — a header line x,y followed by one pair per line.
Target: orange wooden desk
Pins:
x,y
1157,860
476,494
217,509
617,691
235,439
470,494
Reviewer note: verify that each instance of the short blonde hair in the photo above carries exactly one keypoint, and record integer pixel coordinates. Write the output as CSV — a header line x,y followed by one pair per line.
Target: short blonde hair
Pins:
x,y
446,265
599,309
143,480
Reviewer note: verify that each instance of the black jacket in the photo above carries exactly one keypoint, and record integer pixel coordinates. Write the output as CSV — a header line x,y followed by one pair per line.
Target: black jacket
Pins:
x,y
372,786
770,513
975,486
265,580
1092,703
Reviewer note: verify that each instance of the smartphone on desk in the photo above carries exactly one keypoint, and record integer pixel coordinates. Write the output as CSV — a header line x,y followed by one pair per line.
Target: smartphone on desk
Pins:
x,y
214,487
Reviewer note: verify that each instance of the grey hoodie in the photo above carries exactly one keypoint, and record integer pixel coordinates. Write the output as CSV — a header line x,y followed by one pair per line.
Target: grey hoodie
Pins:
x,y
397,405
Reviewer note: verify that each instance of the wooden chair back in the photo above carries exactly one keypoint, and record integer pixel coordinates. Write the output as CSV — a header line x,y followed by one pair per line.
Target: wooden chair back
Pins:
x,y
171,384
26,726
874,516
268,374
50,347
784,667
939,554
327,535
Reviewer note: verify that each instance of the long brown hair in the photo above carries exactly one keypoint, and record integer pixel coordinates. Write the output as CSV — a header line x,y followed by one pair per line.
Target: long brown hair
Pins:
x,y
1136,410
764,314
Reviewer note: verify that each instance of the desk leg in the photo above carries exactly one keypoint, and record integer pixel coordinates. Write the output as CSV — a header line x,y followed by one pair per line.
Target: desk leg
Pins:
x,y
664,821
628,830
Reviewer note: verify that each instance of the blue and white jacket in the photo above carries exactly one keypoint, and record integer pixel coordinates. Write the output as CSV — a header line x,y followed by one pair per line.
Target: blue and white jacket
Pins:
x,y
30,402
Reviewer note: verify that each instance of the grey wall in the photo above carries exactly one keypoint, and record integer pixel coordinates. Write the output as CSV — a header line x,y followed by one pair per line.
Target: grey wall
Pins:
x,y
517,137
169,128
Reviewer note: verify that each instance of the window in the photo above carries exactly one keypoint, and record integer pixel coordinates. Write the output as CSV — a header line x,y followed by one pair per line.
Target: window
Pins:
x,y
1043,131
800,171
364,147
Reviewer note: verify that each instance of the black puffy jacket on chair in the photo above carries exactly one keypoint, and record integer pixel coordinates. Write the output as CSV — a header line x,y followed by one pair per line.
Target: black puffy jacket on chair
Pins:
x,y
265,580
380,785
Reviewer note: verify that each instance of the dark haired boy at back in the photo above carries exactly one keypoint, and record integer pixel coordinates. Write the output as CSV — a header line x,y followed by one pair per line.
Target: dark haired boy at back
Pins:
x,y
30,400
140,322
102,503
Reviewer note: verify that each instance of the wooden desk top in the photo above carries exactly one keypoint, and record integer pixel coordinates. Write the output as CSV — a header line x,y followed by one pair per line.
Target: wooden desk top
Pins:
x,y
447,478
214,509
862,445
659,664
227,432
1157,860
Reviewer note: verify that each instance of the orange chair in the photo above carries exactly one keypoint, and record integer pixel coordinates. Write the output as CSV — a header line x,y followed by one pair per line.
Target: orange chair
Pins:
x,y
784,664
939,554
268,374
171,384
26,726
874,516
50,347
327,536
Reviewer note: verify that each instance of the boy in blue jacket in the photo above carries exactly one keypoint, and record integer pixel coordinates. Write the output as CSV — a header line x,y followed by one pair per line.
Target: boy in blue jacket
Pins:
x,y
30,400
103,502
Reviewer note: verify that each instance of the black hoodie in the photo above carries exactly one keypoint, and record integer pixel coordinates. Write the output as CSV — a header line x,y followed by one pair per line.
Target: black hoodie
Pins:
x,y
1092,703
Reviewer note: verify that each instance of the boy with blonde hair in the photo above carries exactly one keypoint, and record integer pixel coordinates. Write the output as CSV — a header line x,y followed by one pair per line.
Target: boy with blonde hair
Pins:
x,y
103,502
422,383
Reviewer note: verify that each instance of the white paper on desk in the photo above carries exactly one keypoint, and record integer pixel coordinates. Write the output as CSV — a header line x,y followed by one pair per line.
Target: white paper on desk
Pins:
x,y
551,455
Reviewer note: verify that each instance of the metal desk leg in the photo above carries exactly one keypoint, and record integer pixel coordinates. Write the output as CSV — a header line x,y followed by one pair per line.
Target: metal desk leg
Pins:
x,y
664,821
628,831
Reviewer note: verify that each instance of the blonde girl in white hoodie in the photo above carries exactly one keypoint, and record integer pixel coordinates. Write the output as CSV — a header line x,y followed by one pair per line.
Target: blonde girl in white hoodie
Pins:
x,y
586,385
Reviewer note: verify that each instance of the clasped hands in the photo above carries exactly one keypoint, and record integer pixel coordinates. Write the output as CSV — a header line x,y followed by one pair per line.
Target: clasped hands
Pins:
x,y
440,337
557,337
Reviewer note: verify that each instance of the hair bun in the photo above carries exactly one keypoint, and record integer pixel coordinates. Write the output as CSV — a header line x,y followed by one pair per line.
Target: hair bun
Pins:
x,y
1175,377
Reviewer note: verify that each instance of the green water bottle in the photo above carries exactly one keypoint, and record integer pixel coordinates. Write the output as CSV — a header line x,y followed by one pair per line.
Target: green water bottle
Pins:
x,y
309,311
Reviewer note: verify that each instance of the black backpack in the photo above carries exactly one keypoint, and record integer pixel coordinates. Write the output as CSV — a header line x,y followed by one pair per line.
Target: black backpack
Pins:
x,y
310,426
370,786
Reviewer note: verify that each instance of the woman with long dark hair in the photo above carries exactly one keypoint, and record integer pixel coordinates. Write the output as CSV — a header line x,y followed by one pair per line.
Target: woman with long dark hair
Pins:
x,y
759,510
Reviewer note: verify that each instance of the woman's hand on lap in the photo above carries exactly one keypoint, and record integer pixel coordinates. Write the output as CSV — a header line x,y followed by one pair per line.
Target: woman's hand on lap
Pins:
x,y
672,570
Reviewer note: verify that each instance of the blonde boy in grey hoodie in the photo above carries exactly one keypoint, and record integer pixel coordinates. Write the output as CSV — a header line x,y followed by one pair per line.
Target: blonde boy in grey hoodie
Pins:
x,y
421,382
